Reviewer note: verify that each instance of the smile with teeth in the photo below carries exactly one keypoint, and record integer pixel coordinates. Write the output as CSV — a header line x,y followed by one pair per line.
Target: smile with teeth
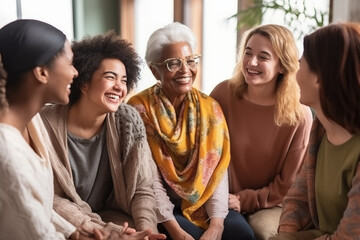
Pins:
x,y
183,80
113,96
253,71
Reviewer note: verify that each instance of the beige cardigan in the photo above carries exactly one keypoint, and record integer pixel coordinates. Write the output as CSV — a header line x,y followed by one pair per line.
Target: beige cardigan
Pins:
x,y
132,170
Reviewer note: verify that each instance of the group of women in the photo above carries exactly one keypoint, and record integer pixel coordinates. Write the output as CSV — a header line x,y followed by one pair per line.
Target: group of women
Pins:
x,y
246,162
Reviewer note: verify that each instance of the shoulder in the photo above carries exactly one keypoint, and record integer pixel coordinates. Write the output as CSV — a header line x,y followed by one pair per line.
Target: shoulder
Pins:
x,y
308,117
206,99
141,100
53,111
8,134
128,117
54,118
127,111
221,89
209,105
222,93
13,152
144,94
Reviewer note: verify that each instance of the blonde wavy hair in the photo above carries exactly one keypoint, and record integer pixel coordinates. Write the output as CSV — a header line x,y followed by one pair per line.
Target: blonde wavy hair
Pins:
x,y
288,109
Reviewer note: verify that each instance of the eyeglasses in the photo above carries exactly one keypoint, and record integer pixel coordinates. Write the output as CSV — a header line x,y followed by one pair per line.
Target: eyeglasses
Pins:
x,y
174,64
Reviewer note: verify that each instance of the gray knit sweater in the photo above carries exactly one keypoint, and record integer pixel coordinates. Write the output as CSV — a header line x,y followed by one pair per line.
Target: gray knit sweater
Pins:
x,y
132,170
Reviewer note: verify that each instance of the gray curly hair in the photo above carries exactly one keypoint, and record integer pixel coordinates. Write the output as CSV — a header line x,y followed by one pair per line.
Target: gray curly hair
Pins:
x,y
171,33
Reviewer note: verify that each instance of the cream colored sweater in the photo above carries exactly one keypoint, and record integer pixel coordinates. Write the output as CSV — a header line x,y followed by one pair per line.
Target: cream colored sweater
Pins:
x,y
132,170
26,189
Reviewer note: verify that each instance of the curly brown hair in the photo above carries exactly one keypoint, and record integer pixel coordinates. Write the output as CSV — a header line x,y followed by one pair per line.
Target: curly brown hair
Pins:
x,y
91,51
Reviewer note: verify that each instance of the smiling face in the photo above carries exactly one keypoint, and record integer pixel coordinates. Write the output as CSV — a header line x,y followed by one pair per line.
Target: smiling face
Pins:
x,y
175,84
260,64
107,87
61,75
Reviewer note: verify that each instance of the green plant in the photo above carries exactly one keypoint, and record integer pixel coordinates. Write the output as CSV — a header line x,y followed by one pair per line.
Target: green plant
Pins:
x,y
297,16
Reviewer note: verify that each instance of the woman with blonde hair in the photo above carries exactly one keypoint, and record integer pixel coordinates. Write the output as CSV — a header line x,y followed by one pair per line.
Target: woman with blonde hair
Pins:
x,y
269,128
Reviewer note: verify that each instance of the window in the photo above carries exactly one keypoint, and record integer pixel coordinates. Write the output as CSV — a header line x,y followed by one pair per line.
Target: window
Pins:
x,y
56,12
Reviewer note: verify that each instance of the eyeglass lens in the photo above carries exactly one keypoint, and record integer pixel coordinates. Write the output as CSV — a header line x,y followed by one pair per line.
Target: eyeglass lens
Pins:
x,y
175,64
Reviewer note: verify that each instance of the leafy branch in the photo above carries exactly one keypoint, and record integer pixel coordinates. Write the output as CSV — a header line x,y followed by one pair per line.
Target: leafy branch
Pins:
x,y
300,19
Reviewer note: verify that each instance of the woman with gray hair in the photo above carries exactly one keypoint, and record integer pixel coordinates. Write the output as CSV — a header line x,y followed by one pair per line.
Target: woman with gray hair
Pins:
x,y
189,141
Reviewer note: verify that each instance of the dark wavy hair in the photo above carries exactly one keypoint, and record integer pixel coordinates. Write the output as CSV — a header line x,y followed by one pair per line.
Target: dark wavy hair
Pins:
x,y
3,75
91,51
333,53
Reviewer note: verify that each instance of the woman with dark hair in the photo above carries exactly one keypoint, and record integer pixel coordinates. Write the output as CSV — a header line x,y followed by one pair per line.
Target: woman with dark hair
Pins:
x,y
102,161
36,69
324,201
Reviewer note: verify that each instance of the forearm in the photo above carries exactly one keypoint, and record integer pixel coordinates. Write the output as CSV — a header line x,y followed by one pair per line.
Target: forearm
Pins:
x,y
174,229
72,213
217,205
62,225
217,223
143,211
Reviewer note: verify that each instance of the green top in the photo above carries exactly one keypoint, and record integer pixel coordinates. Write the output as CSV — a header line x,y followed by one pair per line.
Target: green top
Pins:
x,y
335,169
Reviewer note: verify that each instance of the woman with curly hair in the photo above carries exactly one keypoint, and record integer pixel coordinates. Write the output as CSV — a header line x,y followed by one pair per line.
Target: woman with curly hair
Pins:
x,y
269,128
102,161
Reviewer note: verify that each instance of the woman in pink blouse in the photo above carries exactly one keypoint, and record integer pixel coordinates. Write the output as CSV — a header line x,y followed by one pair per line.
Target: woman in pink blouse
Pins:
x,y
269,128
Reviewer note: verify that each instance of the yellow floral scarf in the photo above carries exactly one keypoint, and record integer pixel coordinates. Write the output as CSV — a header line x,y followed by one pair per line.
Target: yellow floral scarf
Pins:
x,y
192,153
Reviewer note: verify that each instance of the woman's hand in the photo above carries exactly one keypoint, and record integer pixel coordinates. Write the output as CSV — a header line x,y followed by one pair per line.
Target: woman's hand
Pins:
x,y
97,235
156,236
127,234
175,231
234,202
215,230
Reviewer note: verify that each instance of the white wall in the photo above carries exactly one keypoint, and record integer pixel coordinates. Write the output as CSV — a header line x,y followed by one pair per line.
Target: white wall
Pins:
x,y
149,15
219,43
341,10
55,12
7,11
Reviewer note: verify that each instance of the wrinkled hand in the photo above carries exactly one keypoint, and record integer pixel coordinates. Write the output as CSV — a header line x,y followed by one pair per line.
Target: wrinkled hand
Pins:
x,y
131,234
127,234
212,234
175,231
215,230
234,202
